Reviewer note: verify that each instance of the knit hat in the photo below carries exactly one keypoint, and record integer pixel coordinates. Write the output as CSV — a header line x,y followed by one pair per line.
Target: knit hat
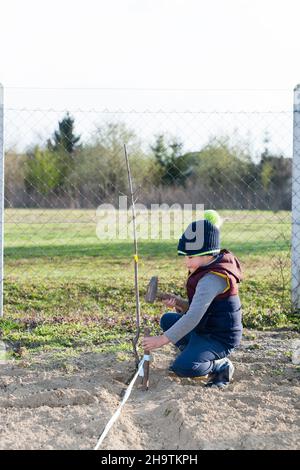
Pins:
x,y
201,237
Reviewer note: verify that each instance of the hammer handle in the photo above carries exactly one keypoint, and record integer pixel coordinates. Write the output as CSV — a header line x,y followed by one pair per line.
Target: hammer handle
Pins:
x,y
179,302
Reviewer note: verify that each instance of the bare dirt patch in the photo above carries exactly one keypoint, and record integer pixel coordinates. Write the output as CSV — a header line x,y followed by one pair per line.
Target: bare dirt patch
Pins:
x,y
43,406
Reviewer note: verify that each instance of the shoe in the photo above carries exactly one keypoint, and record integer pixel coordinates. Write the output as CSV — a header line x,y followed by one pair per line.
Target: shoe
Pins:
x,y
200,378
222,374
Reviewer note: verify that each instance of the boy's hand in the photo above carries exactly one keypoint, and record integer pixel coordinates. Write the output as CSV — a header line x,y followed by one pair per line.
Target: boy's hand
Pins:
x,y
154,342
171,302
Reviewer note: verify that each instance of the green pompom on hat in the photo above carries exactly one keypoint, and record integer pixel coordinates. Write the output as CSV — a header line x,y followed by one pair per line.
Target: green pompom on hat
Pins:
x,y
213,217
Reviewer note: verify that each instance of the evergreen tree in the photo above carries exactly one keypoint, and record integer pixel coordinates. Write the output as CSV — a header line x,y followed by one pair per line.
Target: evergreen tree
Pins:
x,y
64,139
174,166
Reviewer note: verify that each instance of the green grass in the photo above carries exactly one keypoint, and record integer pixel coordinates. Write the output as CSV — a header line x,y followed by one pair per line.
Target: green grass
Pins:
x,y
66,288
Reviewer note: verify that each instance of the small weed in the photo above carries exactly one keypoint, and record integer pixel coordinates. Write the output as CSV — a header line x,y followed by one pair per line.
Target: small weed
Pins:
x,y
288,353
249,336
167,411
277,372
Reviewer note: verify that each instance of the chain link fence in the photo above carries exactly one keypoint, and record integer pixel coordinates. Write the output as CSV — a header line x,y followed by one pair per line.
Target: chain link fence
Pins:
x,y
66,187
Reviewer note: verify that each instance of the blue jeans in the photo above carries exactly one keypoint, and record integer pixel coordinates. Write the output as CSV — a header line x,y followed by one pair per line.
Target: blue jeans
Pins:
x,y
198,351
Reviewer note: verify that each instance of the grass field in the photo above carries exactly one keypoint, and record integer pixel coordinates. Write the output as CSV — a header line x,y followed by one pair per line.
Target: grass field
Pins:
x,y
66,290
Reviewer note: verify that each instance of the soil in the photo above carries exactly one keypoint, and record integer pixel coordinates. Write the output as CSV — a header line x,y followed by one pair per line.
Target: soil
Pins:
x,y
46,406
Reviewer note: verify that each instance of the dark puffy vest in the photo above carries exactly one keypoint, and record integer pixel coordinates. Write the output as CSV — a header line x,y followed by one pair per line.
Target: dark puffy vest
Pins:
x,y
223,318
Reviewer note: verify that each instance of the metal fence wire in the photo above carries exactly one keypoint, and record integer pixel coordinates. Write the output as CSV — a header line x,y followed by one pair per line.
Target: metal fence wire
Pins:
x,y
65,172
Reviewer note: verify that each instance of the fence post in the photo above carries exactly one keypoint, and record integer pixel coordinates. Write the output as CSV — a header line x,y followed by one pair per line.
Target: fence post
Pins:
x,y
296,204
1,197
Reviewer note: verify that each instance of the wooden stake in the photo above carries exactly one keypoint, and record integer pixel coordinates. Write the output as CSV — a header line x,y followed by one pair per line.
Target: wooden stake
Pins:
x,y
137,299
145,382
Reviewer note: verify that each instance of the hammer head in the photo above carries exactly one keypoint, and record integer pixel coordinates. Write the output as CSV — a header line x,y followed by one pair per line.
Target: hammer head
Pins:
x,y
151,291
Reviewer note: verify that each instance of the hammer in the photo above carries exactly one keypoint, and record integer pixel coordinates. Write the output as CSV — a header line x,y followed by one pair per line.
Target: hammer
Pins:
x,y
152,293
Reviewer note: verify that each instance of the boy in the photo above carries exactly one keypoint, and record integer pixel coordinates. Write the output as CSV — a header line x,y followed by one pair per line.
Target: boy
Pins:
x,y
212,326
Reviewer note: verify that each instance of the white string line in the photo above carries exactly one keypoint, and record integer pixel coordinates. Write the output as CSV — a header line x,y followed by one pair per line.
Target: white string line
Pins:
x,y
125,398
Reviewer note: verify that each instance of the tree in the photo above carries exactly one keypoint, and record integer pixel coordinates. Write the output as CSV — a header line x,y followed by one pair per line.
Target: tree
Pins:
x,y
223,174
100,171
63,147
64,139
42,173
276,179
175,167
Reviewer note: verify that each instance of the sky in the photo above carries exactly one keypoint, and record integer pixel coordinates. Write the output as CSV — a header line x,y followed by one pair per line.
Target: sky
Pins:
x,y
232,44
236,55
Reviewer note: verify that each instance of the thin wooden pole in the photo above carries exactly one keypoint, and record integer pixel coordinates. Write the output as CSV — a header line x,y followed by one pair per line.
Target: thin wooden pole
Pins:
x,y
136,285
145,382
